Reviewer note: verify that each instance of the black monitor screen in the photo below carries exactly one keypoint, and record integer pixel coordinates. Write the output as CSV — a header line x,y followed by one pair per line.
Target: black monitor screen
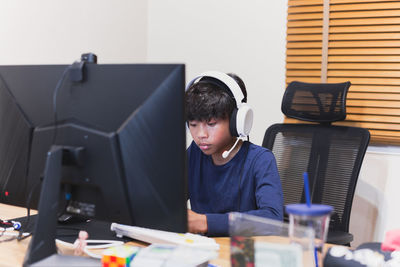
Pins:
x,y
127,119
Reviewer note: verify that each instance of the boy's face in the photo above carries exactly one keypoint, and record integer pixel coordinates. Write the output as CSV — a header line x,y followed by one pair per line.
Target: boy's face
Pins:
x,y
212,137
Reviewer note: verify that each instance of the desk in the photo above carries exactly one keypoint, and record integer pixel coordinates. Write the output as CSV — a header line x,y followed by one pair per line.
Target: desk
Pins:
x,y
13,253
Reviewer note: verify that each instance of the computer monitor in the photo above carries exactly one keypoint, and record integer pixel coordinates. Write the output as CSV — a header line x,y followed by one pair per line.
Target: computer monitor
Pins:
x,y
126,123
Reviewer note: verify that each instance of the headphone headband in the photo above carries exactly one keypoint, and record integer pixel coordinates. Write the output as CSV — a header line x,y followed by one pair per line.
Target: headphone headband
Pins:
x,y
226,79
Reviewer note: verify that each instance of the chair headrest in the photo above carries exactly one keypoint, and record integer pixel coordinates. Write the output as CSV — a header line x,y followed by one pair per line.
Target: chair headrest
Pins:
x,y
316,102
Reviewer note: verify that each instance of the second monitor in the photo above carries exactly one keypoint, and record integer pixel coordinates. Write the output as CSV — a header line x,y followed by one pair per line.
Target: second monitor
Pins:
x,y
126,121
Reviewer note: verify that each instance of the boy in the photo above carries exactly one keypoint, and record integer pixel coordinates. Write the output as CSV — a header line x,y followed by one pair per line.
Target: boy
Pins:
x,y
246,179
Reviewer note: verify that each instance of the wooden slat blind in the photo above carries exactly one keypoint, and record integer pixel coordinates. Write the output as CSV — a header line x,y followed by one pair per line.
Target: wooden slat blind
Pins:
x,y
363,47
304,40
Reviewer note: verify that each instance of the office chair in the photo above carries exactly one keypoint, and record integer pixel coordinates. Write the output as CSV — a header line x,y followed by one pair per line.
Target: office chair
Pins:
x,y
332,155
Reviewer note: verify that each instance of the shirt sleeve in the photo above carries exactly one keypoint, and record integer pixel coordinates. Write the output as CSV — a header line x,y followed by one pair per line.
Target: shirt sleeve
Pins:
x,y
218,224
269,197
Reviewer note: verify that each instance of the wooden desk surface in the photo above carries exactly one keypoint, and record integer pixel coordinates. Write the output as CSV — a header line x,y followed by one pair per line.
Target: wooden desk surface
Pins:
x,y
13,253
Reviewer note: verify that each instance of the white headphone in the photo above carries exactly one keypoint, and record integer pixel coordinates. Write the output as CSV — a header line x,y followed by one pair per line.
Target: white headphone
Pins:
x,y
241,120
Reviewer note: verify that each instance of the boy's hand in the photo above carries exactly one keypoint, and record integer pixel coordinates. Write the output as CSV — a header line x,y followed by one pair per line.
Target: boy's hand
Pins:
x,y
197,223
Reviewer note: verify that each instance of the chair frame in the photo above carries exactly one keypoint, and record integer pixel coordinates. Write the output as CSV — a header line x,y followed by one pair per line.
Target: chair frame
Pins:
x,y
319,149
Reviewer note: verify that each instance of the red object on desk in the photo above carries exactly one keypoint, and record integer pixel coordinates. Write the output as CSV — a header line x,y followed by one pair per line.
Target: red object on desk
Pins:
x,y
392,240
242,251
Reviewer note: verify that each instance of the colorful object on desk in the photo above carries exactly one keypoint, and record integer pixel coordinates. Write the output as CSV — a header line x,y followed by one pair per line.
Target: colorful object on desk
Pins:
x,y
14,224
119,256
242,251
80,243
367,254
391,241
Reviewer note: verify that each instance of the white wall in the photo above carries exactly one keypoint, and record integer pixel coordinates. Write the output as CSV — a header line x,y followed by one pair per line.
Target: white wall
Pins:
x,y
55,32
376,204
244,37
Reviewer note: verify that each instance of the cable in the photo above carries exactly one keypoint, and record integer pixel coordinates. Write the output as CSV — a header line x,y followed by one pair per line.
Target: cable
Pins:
x,y
55,93
91,254
23,235
105,244
4,233
11,232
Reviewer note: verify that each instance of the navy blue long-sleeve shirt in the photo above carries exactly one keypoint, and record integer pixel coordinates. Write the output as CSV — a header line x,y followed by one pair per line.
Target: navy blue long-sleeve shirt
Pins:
x,y
214,190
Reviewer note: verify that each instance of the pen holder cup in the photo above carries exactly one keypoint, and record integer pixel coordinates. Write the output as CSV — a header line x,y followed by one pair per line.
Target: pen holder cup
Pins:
x,y
258,241
315,216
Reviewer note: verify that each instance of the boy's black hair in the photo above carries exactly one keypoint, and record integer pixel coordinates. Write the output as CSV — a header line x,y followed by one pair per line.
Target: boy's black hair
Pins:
x,y
211,99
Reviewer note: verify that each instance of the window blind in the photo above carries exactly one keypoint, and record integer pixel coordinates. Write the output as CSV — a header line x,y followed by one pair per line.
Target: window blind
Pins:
x,y
363,47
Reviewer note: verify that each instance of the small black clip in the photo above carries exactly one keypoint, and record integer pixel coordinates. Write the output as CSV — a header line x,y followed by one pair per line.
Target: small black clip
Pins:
x,y
76,71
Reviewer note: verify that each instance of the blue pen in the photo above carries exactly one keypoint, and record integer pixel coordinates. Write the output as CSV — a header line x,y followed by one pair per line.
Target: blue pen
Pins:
x,y
308,201
306,189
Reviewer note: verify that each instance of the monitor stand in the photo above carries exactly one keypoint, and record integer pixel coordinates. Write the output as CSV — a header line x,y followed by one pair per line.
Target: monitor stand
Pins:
x,y
42,250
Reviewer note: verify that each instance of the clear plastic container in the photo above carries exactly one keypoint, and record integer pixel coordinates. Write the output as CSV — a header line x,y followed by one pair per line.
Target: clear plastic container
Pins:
x,y
257,241
315,216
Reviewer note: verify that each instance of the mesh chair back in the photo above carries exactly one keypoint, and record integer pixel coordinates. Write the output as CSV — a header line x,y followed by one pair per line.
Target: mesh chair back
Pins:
x,y
316,102
332,155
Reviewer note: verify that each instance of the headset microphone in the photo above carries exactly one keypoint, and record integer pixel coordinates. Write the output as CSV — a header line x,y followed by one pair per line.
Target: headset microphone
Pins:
x,y
226,153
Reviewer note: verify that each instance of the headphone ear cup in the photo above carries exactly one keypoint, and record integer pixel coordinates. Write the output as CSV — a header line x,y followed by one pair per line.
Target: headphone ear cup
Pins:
x,y
233,123
244,120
